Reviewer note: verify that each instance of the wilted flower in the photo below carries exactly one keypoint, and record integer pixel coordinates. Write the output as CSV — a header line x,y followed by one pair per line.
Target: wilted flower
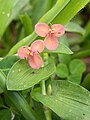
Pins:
x,y
32,52
51,33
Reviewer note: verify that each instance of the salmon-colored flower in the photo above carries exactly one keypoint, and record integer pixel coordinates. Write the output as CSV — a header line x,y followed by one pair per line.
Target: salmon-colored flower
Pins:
x,y
51,33
32,53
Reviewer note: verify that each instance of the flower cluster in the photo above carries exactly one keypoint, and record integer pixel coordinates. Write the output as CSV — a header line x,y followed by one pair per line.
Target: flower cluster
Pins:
x,y
32,53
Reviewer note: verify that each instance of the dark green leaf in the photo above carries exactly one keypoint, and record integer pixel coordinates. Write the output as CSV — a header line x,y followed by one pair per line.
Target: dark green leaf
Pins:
x,y
5,114
86,82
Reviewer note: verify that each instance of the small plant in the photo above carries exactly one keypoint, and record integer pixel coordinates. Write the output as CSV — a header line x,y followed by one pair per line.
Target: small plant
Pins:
x,y
43,66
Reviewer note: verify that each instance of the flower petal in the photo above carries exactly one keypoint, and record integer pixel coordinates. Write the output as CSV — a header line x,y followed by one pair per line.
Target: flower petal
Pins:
x,y
58,29
51,42
35,61
22,52
42,29
37,45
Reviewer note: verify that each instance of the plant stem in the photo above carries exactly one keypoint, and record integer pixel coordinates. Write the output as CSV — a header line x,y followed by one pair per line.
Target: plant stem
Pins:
x,y
47,111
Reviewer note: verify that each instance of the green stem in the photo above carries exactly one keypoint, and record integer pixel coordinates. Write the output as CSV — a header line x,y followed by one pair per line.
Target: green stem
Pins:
x,y
82,54
47,111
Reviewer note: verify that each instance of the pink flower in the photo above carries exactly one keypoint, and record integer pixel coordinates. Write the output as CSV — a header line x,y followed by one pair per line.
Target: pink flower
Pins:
x,y
50,33
32,52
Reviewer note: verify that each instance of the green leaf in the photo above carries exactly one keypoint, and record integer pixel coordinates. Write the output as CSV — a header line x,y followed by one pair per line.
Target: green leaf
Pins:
x,y
7,62
1,91
68,100
41,8
5,11
8,11
27,23
77,66
63,57
62,48
62,70
63,18
73,27
18,100
86,82
53,12
75,77
22,76
5,114
47,18
71,9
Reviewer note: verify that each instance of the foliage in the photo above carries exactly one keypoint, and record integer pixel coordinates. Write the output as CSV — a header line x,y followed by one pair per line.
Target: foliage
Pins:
x,y
59,90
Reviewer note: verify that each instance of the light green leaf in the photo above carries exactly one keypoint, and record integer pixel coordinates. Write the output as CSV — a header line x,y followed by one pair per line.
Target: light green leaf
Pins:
x,y
22,76
71,9
77,66
73,27
68,100
9,9
5,11
62,70
75,77
5,114
62,48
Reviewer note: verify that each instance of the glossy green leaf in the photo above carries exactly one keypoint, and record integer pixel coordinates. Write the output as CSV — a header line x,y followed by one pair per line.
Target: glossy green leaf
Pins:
x,y
8,11
62,70
62,49
27,23
68,100
73,27
77,66
5,114
22,76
